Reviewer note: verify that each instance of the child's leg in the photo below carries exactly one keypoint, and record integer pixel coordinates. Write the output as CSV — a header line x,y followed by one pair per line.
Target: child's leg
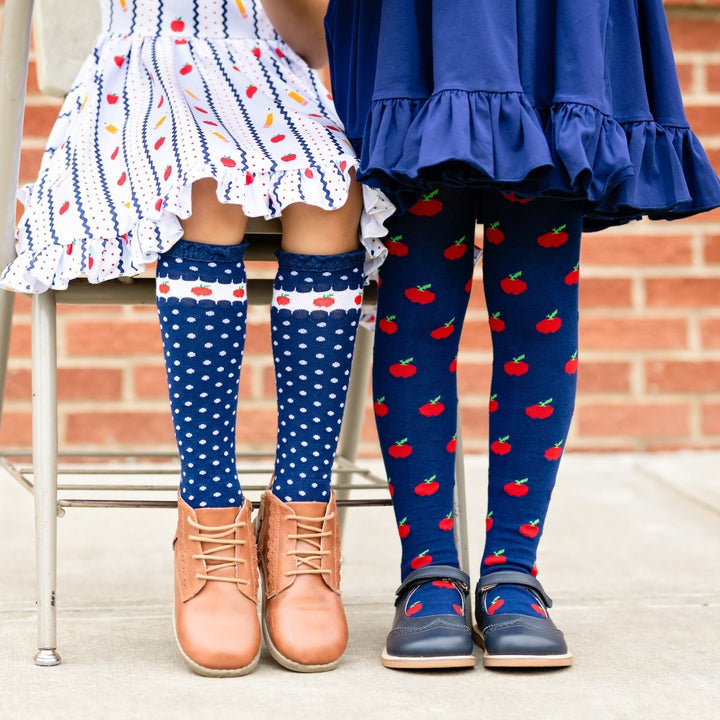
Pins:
x,y
314,316
422,299
530,269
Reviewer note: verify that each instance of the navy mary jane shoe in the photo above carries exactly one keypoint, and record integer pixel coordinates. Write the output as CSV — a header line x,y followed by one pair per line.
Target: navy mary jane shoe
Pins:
x,y
518,641
433,641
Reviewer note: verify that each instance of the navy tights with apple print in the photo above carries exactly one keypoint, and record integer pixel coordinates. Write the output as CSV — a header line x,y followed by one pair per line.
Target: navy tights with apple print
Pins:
x,y
202,305
530,279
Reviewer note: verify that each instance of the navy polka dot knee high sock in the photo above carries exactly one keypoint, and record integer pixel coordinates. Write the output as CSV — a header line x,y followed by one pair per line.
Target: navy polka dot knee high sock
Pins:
x,y
422,299
530,271
202,308
314,317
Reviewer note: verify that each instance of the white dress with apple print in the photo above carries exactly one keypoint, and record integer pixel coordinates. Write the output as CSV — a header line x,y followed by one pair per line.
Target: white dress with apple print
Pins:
x,y
174,92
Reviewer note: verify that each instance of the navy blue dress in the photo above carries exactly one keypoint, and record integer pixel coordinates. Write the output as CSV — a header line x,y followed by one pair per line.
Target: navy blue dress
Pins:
x,y
570,99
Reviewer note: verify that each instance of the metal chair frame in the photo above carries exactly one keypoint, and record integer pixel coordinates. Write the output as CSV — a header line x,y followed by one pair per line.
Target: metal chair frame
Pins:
x,y
60,480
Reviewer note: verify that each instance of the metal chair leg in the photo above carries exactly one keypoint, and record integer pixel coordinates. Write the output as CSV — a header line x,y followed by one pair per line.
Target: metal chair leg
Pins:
x,y
45,450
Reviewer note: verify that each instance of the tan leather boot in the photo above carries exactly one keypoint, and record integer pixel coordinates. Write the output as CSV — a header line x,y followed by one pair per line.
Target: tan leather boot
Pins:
x,y
303,617
216,582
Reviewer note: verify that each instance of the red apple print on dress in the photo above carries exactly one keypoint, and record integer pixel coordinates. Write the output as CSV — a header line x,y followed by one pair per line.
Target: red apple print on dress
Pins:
x,y
380,408
554,452
162,100
70,247
119,60
573,276
167,173
250,90
489,521
227,161
388,325
256,52
395,246
288,158
497,558
516,488
122,179
516,366
64,207
444,331
496,323
531,529
159,142
186,68
539,610
177,25
414,608
433,408
451,446
446,524
403,528
249,178
279,53
163,288
495,605
493,404
555,238
400,449
429,486
112,98
282,299
427,206
501,446
115,153
91,262
201,290
512,197
420,294
493,234
513,285
420,560
239,292
159,204
308,173
571,365
324,301
541,410
277,138
456,250
550,324
403,369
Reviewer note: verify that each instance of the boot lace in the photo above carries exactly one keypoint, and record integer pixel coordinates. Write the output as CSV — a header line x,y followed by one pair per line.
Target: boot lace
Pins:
x,y
223,537
310,530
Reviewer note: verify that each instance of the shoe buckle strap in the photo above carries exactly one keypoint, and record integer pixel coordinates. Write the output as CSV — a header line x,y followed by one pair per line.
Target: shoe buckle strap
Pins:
x,y
512,577
457,577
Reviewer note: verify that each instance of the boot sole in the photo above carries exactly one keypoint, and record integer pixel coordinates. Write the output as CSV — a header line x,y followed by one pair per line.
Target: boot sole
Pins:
x,y
405,662
214,672
519,661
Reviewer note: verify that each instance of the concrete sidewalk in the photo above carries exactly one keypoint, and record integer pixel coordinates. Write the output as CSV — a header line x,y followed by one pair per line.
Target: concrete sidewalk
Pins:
x,y
631,556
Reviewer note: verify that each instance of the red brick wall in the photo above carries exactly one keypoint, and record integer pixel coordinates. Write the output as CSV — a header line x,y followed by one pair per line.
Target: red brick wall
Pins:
x,y
650,328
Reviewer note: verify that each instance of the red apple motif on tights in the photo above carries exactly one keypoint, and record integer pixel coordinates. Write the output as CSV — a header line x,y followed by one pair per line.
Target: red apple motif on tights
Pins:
x,y
452,444
427,206
400,449
403,369
554,452
403,528
396,247
432,408
489,521
550,324
443,331
163,288
501,446
539,610
420,294
531,529
497,558
424,558
429,486
380,408
516,488
324,301
415,607
555,238
516,366
513,285
201,290
493,404
453,365
239,292
571,365
541,410
495,605
446,523
496,323
445,584
388,325
573,276
493,234
456,250
282,300
512,197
